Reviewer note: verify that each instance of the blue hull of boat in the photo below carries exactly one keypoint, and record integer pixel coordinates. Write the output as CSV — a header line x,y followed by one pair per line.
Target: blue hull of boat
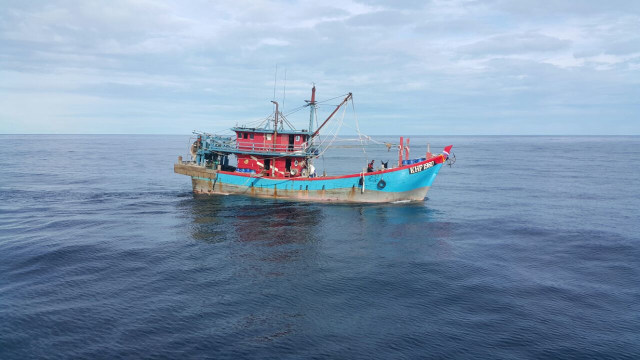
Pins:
x,y
405,183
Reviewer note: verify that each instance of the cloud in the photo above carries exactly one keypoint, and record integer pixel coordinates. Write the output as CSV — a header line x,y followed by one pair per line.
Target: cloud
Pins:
x,y
380,19
515,44
91,24
553,8
103,65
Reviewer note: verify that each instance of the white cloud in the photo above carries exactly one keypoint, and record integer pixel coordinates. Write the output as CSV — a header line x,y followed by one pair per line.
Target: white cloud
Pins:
x,y
516,44
454,59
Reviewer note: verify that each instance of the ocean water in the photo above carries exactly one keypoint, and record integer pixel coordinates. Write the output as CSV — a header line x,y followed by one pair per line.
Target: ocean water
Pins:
x,y
527,248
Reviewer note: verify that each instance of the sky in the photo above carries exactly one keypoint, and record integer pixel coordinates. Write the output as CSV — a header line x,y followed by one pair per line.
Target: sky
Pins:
x,y
432,67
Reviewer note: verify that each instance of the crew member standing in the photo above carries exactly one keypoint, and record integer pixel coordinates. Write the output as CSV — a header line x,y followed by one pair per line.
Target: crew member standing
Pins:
x,y
370,167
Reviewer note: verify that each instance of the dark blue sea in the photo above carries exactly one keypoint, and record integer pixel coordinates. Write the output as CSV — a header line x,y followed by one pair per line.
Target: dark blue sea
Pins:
x,y
527,248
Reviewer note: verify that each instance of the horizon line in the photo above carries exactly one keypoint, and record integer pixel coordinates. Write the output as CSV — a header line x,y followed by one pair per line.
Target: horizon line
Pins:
x,y
162,134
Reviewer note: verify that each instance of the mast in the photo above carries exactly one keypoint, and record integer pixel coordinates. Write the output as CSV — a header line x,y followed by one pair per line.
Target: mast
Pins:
x,y
312,107
312,111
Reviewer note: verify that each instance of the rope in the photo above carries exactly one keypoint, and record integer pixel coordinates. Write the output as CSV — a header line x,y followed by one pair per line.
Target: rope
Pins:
x,y
296,110
333,98
353,106
338,126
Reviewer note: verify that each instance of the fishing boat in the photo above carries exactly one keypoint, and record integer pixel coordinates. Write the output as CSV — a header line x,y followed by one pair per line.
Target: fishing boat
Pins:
x,y
274,160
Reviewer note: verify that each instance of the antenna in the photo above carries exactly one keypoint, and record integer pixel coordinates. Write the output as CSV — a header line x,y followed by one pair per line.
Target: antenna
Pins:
x,y
275,81
284,88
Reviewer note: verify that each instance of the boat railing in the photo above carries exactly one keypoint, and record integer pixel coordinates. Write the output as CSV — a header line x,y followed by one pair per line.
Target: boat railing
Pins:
x,y
275,148
280,148
294,149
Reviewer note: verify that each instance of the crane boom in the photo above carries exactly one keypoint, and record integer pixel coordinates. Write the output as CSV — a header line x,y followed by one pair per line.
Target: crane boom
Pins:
x,y
330,116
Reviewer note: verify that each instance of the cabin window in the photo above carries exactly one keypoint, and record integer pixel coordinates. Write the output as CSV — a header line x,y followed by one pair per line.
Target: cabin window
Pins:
x,y
268,136
297,139
251,136
246,135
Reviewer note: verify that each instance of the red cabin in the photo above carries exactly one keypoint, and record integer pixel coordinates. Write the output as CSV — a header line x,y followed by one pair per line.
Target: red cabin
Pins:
x,y
281,154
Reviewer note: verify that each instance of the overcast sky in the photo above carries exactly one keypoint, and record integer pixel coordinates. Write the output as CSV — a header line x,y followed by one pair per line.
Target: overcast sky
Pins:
x,y
415,67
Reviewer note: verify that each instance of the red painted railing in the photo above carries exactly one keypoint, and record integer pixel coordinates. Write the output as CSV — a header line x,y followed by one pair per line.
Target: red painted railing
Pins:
x,y
281,148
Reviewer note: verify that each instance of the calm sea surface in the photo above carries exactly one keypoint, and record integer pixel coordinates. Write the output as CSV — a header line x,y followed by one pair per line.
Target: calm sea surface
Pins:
x,y
527,248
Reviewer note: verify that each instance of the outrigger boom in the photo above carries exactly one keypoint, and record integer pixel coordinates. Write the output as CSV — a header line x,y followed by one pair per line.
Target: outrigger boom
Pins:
x,y
278,163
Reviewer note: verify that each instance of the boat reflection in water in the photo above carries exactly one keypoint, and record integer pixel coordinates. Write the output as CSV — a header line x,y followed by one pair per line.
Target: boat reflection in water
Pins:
x,y
292,229
275,268
231,218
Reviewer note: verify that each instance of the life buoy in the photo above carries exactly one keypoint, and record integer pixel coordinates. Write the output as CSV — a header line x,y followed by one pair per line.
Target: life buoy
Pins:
x,y
294,171
382,184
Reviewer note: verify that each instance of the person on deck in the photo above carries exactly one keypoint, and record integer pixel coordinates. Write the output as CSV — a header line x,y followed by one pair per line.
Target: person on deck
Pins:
x,y
370,167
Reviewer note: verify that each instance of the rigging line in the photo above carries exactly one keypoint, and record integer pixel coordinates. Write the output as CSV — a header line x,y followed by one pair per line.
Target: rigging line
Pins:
x,y
333,98
275,81
351,140
369,138
315,115
328,105
338,126
284,88
295,110
353,106
330,132
255,122
261,123
378,142
220,132
287,121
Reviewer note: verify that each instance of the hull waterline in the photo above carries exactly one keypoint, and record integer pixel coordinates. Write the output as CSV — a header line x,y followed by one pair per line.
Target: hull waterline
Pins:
x,y
408,183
